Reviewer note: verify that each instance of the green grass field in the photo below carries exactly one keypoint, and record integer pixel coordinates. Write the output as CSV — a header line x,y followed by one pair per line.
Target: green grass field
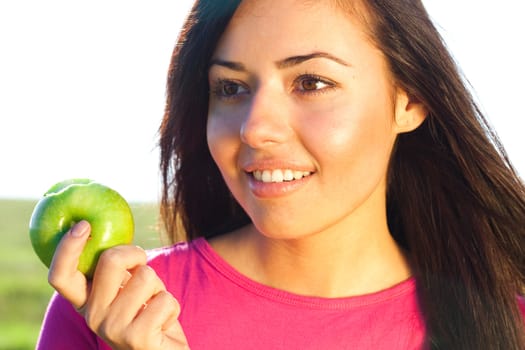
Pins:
x,y
24,292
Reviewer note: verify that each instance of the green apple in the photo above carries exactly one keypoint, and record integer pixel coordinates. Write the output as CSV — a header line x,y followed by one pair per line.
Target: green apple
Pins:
x,y
70,201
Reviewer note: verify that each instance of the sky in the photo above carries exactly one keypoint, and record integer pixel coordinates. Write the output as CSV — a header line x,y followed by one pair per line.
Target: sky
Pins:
x,y
82,85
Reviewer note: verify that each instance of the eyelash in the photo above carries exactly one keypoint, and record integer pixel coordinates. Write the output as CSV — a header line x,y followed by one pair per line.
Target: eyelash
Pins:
x,y
329,84
217,87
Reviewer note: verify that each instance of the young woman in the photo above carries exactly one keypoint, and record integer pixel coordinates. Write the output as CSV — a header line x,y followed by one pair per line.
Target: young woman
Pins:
x,y
337,188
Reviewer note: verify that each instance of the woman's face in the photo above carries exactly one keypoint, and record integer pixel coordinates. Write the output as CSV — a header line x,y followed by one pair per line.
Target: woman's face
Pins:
x,y
301,119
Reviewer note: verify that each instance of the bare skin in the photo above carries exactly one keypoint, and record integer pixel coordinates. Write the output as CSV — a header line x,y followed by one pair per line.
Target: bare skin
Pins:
x,y
296,86
290,93
126,304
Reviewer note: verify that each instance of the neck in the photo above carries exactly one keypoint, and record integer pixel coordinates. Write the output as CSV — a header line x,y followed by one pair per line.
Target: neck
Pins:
x,y
329,265
354,256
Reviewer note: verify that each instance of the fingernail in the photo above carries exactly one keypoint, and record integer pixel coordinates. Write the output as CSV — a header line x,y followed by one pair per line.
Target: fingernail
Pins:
x,y
80,229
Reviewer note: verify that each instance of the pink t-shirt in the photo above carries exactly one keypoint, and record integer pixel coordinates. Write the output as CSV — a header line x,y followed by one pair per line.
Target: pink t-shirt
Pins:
x,y
222,309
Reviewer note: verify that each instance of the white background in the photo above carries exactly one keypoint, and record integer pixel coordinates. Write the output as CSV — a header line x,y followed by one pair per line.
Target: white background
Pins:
x,y
82,85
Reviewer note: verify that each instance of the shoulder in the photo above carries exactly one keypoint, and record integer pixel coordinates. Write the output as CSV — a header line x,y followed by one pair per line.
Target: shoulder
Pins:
x,y
64,328
521,304
174,257
178,264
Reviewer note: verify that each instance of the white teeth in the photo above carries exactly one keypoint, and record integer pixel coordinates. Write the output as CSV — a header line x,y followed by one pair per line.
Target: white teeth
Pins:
x,y
266,176
279,175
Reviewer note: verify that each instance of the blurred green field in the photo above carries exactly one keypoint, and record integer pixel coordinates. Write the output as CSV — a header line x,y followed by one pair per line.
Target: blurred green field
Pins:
x,y
24,292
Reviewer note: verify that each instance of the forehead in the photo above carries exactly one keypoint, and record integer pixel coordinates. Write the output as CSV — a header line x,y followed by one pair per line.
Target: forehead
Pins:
x,y
288,26
259,7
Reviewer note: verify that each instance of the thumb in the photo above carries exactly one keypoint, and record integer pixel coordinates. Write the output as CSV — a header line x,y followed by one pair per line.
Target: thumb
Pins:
x,y
64,275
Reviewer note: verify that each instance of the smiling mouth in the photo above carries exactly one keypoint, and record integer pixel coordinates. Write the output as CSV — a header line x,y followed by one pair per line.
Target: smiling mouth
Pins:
x,y
279,175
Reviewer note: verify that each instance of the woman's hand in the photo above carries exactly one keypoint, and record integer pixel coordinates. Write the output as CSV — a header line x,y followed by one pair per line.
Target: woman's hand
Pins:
x,y
126,304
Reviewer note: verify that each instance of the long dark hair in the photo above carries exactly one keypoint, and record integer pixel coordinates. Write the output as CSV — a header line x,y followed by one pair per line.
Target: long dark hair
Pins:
x,y
454,201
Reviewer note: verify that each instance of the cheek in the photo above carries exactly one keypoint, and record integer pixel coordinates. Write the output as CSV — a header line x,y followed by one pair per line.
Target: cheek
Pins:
x,y
222,136
351,138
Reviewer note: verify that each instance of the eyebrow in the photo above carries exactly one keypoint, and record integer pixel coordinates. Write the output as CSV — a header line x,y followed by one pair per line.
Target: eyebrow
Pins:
x,y
282,64
296,60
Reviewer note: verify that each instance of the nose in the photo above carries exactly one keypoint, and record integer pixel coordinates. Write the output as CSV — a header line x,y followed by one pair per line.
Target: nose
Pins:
x,y
267,120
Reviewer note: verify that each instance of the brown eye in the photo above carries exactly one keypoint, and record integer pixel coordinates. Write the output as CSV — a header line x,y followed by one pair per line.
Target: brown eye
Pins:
x,y
226,89
312,83
229,89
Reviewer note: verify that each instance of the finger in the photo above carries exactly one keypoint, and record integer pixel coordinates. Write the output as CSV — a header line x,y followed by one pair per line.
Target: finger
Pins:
x,y
111,273
161,317
64,275
143,285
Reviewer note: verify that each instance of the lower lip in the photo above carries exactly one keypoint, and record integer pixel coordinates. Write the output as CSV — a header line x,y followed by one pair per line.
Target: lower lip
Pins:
x,y
275,189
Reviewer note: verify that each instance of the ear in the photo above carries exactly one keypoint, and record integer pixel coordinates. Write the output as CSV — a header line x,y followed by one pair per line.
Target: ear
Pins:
x,y
409,112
